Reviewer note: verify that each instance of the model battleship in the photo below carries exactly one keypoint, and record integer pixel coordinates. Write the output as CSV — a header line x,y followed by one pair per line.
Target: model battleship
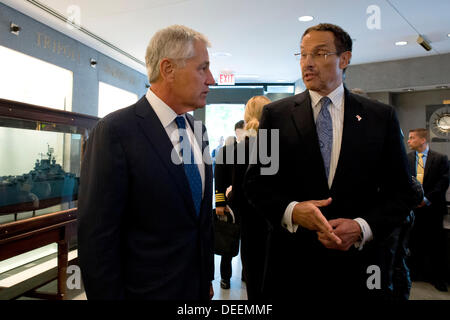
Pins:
x,y
44,186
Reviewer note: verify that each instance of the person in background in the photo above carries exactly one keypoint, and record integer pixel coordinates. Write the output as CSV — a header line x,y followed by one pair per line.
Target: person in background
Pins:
x,y
215,152
239,130
428,244
254,230
223,179
145,229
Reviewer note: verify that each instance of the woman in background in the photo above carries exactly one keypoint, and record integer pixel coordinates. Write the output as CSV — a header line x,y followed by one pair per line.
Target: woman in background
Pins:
x,y
254,229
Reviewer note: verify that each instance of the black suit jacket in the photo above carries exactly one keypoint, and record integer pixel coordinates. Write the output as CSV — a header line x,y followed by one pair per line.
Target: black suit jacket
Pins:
x,y
435,182
223,174
371,182
138,234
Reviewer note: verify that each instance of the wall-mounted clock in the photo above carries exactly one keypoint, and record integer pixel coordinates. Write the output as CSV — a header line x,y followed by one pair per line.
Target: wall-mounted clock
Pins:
x,y
440,122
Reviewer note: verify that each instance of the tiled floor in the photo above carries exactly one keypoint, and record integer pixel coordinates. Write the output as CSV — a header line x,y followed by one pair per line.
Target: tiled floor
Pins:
x,y
425,291
237,289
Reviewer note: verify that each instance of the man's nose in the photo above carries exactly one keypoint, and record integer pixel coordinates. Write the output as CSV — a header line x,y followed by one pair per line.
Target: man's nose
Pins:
x,y
210,79
307,60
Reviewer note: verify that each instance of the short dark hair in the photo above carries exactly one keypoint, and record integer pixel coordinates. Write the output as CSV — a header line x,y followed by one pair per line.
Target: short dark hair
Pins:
x,y
239,125
342,39
421,132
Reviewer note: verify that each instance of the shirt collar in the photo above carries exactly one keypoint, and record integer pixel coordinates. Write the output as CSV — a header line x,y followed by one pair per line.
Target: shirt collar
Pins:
x,y
335,96
425,152
165,113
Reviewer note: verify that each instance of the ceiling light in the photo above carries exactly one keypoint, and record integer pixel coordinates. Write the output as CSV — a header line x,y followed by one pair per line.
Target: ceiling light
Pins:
x,y
408,90
442,87
448,35
305,18
14,29
401,43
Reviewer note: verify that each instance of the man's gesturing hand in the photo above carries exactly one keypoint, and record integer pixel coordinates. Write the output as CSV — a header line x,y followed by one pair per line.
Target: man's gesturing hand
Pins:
x,y
308,215
348,231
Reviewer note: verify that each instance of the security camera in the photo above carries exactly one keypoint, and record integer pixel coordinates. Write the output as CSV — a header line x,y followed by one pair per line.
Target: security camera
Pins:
x,y
423,43
14,29
93,63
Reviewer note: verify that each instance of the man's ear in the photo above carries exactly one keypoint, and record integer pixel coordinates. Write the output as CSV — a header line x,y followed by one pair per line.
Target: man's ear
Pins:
x,y
167,69
344,60
424,140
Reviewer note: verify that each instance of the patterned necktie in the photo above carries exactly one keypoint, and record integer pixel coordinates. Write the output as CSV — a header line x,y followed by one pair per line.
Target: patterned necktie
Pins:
x,y
420,168
190,168
324,126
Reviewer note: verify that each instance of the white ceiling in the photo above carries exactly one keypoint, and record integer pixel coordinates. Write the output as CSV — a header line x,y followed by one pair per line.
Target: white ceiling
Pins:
x,y
260,35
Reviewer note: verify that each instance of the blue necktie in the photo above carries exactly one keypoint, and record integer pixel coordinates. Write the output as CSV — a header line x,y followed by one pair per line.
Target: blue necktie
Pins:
x,y
324,126
190,168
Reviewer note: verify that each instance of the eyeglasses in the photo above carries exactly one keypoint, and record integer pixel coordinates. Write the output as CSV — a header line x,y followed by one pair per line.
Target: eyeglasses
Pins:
x,y
316,56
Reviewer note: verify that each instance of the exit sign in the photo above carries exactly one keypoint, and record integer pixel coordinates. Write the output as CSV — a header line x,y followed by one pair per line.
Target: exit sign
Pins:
x,y
226,79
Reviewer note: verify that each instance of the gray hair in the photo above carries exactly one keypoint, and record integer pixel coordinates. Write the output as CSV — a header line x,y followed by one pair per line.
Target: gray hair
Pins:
x,y
175,42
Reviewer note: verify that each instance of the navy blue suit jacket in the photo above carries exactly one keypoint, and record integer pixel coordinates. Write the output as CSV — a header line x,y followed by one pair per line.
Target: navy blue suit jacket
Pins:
x,y
138,234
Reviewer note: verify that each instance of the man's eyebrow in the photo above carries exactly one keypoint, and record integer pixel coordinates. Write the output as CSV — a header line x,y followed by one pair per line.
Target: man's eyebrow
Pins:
x,y
320,46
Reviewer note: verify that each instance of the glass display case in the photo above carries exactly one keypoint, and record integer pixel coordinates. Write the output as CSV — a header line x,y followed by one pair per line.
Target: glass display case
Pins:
x,y
40,160
40,157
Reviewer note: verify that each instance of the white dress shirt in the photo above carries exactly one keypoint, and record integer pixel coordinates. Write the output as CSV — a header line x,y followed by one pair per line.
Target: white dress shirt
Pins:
x,y
167,117
336,108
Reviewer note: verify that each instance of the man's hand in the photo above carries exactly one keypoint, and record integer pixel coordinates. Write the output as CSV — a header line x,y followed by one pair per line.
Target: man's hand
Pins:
x,y
221,210
308,215
211,291
347,230
229,189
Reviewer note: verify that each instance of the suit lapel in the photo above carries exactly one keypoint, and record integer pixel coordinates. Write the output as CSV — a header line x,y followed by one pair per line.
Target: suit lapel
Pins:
x,y
303,118
157,136
353,135
428,164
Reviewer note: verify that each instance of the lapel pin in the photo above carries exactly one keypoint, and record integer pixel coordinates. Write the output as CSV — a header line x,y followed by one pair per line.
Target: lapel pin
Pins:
x,y
358,117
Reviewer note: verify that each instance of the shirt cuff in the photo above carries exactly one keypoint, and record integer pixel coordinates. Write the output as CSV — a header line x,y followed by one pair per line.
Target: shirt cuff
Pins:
x,y
286,221
366,233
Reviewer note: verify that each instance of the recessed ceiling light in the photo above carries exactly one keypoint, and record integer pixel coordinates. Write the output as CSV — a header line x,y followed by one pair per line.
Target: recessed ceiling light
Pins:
x,y
408,90
221,54
401,43
448,35
305,18
442,87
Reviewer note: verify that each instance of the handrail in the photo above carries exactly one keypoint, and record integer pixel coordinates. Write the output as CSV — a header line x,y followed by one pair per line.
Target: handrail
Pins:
x,y
21,110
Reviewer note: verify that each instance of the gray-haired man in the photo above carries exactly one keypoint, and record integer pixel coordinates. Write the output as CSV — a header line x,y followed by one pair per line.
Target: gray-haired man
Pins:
x,y
145,229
